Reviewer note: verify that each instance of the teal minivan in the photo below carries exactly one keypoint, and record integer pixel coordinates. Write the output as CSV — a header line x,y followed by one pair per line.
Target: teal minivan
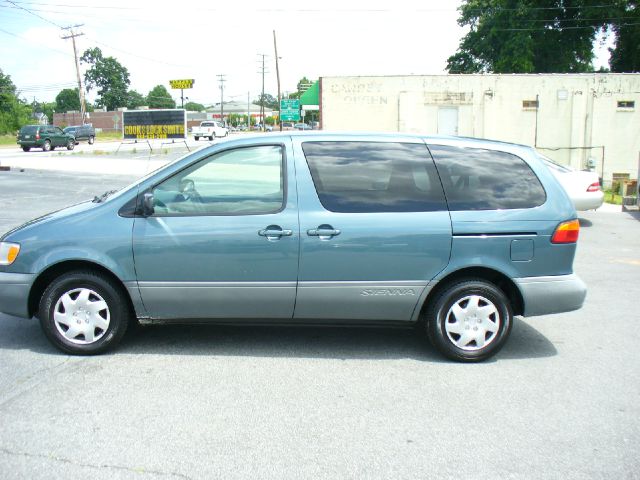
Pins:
x,y
455,236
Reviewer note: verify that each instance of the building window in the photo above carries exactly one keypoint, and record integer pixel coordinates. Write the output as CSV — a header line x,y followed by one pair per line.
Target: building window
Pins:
x,y
626,104
529,104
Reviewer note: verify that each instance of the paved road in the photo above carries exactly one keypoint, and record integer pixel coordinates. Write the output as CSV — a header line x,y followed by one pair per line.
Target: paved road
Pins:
x,y
562,400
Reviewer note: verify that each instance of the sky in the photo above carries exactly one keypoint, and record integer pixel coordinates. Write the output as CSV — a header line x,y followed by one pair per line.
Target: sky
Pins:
x,y
158,41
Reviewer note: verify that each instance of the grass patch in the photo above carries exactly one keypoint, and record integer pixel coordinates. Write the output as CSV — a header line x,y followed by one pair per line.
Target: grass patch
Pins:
x,y
614,198
8,140
108,136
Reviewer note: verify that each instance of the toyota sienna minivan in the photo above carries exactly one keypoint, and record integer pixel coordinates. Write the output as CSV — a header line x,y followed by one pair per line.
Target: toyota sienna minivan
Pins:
x,y
454,236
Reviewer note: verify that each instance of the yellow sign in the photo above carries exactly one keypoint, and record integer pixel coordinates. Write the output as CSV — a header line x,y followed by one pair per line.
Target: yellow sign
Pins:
x,y
153,131
182,84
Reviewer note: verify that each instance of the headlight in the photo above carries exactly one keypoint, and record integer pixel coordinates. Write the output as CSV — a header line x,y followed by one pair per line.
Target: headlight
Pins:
x,y
8,252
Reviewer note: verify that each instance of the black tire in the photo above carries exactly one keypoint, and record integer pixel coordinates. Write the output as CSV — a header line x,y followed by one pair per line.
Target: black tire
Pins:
x,y
115,316
196,138
442,323
91,140
46,146
26,149
70,145
211,138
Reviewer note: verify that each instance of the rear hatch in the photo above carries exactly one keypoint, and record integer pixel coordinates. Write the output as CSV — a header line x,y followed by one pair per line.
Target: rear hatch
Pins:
x,y
28,133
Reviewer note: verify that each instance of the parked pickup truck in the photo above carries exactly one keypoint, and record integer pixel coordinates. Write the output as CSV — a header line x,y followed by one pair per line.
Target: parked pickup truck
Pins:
x,y
210,129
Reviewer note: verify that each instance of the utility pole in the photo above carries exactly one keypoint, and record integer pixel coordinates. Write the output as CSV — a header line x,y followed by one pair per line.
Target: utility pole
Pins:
x,y
262,70
275,48
221,79
72,35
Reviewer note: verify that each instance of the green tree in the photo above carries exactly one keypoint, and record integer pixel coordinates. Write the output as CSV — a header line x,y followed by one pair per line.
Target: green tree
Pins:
x,y
14,112
625,57
159,97
301,87
194,107
526,36
109,76
135,100
68,100
270,102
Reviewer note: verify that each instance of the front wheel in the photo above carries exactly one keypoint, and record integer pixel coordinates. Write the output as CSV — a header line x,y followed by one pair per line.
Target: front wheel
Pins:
x,y
196,138
83,313
71,144
470,320
211,138
91,140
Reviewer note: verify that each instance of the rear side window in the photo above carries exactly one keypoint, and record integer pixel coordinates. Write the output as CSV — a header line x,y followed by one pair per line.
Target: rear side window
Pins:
x,y
362,177
477,179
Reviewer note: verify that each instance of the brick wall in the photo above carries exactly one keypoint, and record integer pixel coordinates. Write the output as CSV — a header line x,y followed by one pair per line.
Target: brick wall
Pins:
x,y
106,121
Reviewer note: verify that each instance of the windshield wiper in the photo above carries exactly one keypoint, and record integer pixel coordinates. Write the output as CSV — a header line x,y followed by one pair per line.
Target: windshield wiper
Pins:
x,y
103,197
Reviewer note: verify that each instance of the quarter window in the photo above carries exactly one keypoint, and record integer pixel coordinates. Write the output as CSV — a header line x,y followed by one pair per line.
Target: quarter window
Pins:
x,y
477,179
359,177
244,181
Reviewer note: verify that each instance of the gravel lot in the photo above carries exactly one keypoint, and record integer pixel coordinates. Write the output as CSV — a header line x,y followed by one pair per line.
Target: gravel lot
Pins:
x,y
562,400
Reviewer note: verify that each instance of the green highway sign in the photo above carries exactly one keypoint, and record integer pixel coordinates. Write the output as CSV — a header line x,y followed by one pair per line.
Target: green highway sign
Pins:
x,y
289,110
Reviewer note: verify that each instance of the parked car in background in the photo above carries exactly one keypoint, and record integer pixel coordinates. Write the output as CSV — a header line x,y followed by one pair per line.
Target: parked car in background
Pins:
x,y
302,126
451,236
46,137
85,133
287,125
209,129
582,186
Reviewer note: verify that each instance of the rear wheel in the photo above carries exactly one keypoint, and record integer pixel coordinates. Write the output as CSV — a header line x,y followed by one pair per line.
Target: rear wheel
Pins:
x,y
71,144
211,138
196,138
91,140
83,313
46,146
26,149
470,320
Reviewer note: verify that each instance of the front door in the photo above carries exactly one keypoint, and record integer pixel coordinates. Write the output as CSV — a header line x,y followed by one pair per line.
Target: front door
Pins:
x,y
223,239
448,121
374,228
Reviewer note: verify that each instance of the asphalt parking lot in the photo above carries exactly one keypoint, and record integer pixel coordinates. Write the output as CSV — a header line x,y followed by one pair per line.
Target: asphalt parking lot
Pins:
x,y
561,400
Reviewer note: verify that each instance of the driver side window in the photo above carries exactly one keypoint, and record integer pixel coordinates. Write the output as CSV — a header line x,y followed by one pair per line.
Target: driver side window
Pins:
x,y
243,181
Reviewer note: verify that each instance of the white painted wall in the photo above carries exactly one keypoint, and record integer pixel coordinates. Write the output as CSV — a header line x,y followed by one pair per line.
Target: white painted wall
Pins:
x,y
574,111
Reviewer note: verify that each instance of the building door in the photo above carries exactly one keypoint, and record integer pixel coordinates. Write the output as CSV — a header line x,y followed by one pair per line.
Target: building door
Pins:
x,y
448,120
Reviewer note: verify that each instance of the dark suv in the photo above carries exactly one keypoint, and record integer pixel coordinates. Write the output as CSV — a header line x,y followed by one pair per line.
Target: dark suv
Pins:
x,y
46,137
82,132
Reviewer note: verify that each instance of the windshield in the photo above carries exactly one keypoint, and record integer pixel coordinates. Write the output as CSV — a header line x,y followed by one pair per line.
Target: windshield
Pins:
x,y
70,129
29,129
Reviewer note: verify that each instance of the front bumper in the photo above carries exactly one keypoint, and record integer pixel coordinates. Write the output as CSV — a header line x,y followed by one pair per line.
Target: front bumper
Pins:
x,y
552,294
14,293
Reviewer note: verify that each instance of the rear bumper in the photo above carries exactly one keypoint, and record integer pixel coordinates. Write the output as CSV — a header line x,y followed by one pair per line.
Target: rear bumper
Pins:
x,y
552,294
14,293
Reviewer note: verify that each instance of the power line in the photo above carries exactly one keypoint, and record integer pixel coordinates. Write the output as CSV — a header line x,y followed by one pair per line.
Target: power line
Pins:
x,y
33,13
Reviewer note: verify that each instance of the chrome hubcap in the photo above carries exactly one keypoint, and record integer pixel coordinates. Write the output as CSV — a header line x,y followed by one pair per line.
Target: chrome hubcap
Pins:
x,y
472,323
81,316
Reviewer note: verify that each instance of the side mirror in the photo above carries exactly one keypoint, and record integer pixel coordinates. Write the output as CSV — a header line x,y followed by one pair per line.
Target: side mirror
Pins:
x,y
147,204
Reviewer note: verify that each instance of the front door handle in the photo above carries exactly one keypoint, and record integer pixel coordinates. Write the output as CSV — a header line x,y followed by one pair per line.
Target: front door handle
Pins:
x,y
274,232
324,232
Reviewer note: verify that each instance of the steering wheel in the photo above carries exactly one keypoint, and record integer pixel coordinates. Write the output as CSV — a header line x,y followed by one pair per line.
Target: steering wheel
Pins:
x,y
188,190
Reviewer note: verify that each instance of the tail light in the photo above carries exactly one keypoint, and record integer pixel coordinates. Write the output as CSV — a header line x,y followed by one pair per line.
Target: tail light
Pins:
x,y
38,135
594,187
566,232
